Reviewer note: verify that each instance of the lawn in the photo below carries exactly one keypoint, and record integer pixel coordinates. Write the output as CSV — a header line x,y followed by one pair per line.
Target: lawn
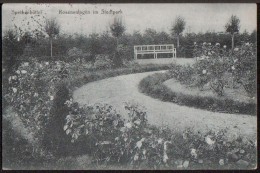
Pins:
x,y
236,94
180,61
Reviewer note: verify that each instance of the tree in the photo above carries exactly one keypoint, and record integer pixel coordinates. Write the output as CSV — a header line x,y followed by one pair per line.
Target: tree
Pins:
x,y
137,38
117,29
52,28
232,27
94,44
178,28
163,38
12,48
150,36
253,36
189,45
107,44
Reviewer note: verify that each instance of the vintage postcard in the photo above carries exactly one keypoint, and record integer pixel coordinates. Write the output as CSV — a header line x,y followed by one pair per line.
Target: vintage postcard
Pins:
x,y
129,86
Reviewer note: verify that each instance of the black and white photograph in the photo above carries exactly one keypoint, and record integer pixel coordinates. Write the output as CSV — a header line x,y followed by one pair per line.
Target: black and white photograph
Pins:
x,y
129,86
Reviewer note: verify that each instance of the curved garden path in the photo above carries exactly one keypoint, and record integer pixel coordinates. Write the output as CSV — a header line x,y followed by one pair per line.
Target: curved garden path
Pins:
x,y
117,90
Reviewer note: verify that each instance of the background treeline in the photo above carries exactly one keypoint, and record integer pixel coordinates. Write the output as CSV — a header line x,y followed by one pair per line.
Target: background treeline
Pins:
x,y
89,46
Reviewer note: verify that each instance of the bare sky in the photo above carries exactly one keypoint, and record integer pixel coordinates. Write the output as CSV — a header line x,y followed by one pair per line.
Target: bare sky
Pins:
x,y
198,17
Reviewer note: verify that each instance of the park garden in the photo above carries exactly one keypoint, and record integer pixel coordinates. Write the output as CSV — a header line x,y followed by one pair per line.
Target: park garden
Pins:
x,y
45,128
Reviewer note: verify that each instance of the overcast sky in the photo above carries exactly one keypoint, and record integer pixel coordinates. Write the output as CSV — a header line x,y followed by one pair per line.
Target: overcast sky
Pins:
x,y
198,17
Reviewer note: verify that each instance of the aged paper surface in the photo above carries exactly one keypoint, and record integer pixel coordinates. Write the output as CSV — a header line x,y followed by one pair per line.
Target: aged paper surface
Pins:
x,y
129,86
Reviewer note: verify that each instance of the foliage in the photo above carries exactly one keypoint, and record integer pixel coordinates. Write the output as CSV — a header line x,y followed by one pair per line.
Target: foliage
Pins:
x,y
16,150
12,48
154,87
37,94
117,28
74,52
135,142
30,91
52,27
214,63
102,62
105,43
54,140
184,74
233,25
178,28
46,112
211,67
243,67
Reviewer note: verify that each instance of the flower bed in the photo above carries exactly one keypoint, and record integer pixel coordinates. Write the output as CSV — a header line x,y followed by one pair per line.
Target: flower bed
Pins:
x,y
216,70
136,144
214,63
40,94
153,86
34,90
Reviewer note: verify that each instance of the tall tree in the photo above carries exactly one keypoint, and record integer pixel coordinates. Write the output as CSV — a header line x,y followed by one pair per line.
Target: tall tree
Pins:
x,y
52,28
117,29
233,27
178,28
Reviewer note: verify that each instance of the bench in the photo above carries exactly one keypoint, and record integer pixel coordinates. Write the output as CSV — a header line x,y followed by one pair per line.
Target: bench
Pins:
x,y
154,49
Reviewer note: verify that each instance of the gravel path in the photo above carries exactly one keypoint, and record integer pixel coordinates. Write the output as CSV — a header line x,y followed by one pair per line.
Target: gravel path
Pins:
x,y
117,90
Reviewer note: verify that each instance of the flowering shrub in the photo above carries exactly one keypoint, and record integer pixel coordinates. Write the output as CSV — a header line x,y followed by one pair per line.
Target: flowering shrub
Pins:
x,y
31,91
32,87
242,65
153,85
214,63
137,143
184,74
102,62
211,67
75,52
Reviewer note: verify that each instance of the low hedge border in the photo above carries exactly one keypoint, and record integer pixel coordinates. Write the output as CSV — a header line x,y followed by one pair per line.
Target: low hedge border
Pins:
x,y
55,140
153,86
94,75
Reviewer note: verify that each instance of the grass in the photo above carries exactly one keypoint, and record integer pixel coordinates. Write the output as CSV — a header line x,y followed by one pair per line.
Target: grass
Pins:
x,y
236,94
181,61
94,75
153,86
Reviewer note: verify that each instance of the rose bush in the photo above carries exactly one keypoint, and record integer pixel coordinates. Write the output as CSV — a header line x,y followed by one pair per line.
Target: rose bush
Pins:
x,y
214,63
210,67
137,143
32,91
103,62
242,65
32,87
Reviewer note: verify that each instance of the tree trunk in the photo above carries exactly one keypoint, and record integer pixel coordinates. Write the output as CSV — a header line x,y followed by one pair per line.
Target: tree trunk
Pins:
x,y
51,47
233,41
116,44
178,41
